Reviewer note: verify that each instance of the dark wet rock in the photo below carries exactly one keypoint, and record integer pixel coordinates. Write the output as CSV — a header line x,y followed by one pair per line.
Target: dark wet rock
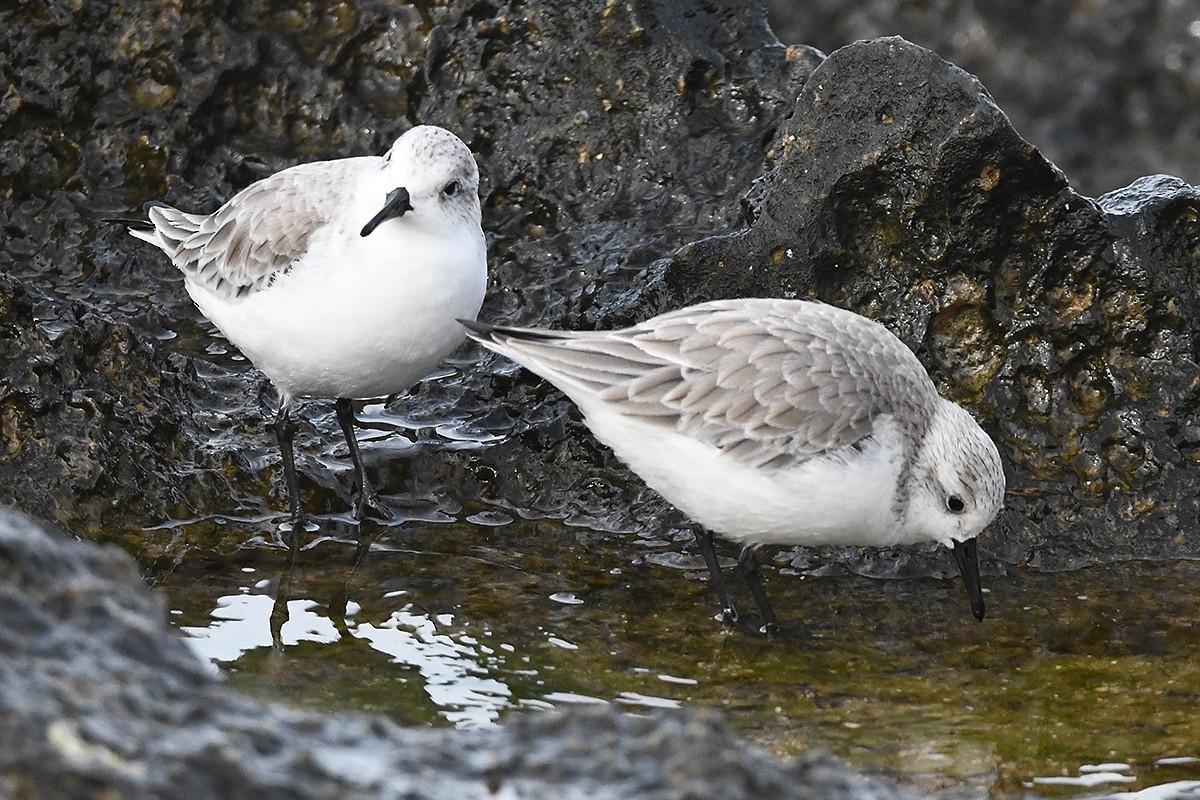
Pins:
x,y
99,698
606,140
90,421
901,190
1107,89
886,181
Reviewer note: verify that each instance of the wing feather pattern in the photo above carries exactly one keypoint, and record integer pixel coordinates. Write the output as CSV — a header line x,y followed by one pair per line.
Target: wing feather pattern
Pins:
x,y
258,234
771,382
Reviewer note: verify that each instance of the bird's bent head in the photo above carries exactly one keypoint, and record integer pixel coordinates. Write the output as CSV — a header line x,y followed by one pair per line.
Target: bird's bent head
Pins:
x,y
957,478
957,489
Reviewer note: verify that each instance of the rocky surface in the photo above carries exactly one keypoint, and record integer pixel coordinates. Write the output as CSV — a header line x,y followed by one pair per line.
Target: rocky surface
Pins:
x,y
886,180
99,698
882,178
92,420
1107,89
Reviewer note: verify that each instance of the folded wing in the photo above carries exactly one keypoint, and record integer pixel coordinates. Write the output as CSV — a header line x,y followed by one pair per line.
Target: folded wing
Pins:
x,y
772,382
256,236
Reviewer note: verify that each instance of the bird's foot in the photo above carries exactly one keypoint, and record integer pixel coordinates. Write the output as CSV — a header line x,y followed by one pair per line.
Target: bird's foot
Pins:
x,y
768,630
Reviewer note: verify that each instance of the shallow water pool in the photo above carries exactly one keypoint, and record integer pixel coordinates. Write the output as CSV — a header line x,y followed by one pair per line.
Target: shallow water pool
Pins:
x,y
1078,684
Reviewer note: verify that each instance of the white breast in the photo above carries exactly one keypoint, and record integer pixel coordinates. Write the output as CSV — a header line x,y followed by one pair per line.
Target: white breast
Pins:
x,y
358,319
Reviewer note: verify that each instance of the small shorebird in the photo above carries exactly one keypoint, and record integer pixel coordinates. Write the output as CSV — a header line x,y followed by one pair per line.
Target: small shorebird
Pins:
x,y
340,279
780,422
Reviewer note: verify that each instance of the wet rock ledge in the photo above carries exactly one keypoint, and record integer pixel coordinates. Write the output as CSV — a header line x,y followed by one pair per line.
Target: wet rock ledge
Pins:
x,y
100,698
880,178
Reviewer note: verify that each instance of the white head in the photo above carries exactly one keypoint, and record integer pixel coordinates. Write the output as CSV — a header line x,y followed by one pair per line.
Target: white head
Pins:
x,y
957,489
957,480
429,177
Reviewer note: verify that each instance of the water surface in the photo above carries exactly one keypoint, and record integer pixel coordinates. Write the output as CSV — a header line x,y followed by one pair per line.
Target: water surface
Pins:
x,y
1078,684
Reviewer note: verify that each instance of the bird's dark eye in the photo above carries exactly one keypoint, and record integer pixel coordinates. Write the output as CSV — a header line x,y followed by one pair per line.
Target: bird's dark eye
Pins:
x,y
955,504
450,189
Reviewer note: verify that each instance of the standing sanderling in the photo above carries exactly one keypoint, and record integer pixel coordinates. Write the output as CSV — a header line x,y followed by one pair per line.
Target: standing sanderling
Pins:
x,y
340,279
781,422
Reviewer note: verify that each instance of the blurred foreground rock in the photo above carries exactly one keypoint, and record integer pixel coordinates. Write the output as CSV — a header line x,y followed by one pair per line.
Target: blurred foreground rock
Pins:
x,y
100,698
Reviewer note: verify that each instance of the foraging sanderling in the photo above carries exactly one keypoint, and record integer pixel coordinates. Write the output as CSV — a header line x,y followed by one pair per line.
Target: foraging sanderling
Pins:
x,y
778,422
340,279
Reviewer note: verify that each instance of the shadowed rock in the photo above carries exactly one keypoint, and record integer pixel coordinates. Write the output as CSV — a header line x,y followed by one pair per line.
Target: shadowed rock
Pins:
x,y
1106,90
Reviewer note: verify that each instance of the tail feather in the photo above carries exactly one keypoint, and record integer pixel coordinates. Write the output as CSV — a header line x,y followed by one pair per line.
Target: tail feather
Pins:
x,y
179,222
515,343
167,228
487,333
578,364
146,235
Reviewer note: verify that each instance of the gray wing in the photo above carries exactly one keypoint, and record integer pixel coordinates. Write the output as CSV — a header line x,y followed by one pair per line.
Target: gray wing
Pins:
x,y
258,234
773,382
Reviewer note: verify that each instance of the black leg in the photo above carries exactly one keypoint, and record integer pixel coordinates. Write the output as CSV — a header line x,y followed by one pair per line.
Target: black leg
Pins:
x,y
748,564
728,610
285,429
367,498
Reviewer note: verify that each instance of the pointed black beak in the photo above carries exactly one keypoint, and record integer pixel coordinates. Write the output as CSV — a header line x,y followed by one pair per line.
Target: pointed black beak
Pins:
x,y
968,564
396,205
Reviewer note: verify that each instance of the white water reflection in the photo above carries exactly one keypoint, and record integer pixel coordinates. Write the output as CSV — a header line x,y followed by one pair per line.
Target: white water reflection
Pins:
x,y
464,677
1176,790
243,622
1097,775
647,700
455,667
1086,779
454,679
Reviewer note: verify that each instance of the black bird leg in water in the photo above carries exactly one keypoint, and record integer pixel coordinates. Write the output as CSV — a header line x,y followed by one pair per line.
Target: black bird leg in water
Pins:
x,y
748,564
367,497
285,429
728,609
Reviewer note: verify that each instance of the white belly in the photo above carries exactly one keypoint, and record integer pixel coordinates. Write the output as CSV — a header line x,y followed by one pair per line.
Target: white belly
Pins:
x,y
845,499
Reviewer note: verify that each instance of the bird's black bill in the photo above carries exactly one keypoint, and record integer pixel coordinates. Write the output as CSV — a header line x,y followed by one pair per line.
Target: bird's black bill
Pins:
x,y
968,564
396,205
